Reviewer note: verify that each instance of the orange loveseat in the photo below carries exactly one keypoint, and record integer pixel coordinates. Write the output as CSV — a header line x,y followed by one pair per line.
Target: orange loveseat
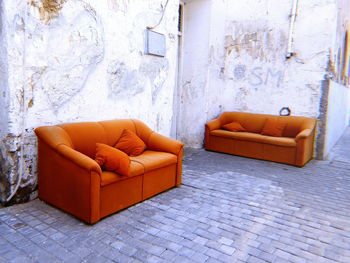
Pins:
x,y
70,179
294,147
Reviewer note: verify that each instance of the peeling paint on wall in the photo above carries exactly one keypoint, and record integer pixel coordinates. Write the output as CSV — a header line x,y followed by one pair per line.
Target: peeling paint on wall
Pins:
x,y
156,70
125,82
17,156
65,68
48,9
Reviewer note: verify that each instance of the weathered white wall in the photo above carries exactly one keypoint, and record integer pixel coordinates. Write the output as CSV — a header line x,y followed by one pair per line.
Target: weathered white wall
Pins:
x,y
4,101
338,101
338,114
195,69
83,61
247,65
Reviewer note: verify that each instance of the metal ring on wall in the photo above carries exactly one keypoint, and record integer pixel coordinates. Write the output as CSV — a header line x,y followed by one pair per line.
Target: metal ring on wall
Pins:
x,y
285,111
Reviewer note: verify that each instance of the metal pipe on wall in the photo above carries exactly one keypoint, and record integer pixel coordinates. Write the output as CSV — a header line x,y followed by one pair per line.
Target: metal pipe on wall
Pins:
x,y
293,15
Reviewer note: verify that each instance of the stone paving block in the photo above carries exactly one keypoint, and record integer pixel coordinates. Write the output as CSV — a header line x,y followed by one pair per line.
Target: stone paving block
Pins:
x,y
253,259
168,255
141,255
254,251
181,259
200,240
267,257
227,249
18,259
199,257
213,244
213,260
280,260
82,251
282,254
226,241
97,259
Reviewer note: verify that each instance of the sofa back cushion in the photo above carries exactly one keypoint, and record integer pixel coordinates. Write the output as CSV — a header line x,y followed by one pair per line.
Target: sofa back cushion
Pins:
x,y
273,127
114,129
254,122
85,135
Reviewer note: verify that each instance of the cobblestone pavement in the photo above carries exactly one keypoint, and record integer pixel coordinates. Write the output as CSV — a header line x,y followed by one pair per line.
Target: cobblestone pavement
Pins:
x,y
229,209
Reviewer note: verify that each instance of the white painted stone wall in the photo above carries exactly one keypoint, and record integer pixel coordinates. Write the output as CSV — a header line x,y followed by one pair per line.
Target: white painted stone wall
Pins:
x,y
195,69
338,106
245,61
338,114
83,62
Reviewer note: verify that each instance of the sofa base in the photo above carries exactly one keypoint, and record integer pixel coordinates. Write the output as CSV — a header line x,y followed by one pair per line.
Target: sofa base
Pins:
x,y
262,151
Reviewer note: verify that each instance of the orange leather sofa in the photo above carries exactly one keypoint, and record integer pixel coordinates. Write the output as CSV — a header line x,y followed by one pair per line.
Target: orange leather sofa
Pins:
x,y
295,147
70,179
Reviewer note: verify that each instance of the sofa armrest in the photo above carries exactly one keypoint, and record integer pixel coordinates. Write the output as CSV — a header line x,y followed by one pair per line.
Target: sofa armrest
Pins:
x,y
159,142
78,158
69,180
303,134
305,146
213,125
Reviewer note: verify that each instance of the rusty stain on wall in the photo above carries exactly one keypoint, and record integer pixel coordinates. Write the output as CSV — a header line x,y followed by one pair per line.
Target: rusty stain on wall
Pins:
x,y
48,9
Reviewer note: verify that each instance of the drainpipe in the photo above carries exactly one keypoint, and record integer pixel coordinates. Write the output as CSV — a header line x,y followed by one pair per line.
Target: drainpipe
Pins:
x,y
293,15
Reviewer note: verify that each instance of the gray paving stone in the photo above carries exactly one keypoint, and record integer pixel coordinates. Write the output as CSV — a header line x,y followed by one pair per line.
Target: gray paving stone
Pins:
x,y
228,209
227,249
168,255
253,259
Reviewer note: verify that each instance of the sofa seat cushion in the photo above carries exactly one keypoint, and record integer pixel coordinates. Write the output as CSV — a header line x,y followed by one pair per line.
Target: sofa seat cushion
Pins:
x,y
152,160
255,137
108,177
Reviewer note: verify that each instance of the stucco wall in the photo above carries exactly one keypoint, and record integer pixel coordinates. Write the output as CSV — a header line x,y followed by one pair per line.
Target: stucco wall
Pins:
x,y
195,69
79,61
338,100
338,114
247,66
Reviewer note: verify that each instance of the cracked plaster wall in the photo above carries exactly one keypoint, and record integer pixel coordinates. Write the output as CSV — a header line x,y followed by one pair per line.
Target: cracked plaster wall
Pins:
x,y
246,66
75,60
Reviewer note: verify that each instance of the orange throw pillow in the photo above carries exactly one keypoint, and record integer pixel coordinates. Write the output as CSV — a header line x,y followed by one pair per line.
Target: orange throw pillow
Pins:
x,y
130,143
273,127
111,159
234,126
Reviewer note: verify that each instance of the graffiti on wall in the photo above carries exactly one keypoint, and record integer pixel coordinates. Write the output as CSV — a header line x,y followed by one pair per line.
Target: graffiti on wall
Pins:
x,y
343,59
258,76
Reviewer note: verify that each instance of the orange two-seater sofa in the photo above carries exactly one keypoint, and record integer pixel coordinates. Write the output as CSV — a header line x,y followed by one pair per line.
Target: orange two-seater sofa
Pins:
x,y
70,179
294,147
